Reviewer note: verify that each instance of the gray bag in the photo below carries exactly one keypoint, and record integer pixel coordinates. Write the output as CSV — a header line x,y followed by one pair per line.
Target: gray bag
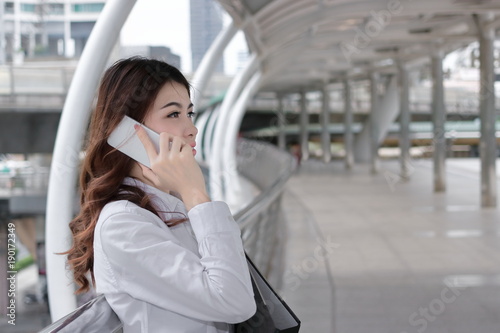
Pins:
x,y
95,316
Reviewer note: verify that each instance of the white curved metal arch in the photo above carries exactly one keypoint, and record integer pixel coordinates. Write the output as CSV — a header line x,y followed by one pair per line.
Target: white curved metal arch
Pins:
x,y
280,25
209,62
235,197
209,135
65,162
201,125
216,168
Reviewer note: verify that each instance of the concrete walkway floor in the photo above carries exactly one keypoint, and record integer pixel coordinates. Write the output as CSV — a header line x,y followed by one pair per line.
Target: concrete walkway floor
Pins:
x,y
400,258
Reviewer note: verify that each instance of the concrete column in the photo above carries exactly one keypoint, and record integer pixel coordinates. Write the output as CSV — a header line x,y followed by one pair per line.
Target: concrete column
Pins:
x,y
348,122
404,120
374,124
281,123
488,146
325,124
304,124
438,121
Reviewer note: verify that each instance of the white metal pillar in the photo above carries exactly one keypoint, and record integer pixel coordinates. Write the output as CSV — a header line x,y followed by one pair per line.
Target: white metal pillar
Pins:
x,y
304,127
374,124
234,195
281,123
226,109
438,120
205,71
404,121
207,143
201,123
209,62
65,161
325,125
488,146
348,123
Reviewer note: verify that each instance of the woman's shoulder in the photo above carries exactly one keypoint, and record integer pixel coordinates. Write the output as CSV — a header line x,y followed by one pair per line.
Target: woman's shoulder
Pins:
x,y
121,206
124,210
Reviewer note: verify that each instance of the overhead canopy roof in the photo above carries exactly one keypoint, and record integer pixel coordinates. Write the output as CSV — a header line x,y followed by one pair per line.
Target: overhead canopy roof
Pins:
x,y
304,43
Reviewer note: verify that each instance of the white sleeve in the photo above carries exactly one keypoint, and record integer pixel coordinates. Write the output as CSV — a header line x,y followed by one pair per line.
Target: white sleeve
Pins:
x,y
150,265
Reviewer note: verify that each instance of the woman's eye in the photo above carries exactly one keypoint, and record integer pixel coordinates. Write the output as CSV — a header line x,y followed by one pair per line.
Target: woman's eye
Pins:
x,y
173,115
191,114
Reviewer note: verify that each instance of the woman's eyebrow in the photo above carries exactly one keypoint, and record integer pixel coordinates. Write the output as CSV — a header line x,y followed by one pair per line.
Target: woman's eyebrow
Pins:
x,y
177,104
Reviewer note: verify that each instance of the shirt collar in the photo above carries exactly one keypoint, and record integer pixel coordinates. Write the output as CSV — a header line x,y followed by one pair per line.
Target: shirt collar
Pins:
x,y
160,198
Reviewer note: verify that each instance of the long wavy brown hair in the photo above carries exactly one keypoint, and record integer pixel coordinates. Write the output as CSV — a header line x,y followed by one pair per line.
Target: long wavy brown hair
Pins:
x,y
129,87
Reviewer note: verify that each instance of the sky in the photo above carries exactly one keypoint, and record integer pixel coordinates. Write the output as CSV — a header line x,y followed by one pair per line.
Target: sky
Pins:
x,y
166,23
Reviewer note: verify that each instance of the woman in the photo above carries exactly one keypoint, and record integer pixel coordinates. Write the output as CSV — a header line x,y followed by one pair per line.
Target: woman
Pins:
x,y
166,258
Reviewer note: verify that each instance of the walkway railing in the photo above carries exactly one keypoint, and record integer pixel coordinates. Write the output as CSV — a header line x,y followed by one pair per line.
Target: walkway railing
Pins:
x,y
262,221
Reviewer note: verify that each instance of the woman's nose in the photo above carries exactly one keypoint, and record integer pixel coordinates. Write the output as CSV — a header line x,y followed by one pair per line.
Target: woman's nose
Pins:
x,y
190,130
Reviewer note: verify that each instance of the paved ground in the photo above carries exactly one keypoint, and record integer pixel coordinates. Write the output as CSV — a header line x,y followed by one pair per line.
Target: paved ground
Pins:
x,y
400,258
403,259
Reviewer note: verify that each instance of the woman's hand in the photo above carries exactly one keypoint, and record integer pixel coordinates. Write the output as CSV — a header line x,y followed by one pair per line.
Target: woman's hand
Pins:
x,y
174,168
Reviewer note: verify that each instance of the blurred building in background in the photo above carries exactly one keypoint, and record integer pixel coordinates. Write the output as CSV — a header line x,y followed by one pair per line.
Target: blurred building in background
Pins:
x,y
155,52
206,23
47,28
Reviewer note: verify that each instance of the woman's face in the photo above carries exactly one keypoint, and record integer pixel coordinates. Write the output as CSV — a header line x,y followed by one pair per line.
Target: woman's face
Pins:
x,y
172,112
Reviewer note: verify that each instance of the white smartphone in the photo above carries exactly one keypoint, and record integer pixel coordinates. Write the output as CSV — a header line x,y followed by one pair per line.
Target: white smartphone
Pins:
x,y
125,139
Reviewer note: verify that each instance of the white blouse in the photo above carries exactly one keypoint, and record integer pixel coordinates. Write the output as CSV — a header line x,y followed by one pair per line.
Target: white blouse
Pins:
x,y
189,278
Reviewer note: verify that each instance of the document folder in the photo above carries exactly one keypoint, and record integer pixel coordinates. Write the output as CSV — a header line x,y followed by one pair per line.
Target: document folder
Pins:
x,y
273,314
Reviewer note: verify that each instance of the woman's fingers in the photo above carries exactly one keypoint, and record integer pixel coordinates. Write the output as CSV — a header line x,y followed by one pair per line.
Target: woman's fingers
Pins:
x,y
165,143
176,144
146,142
170,146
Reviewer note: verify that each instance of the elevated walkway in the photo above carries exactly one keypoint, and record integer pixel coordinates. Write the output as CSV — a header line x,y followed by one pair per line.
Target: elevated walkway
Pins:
x,y
400,257
403,259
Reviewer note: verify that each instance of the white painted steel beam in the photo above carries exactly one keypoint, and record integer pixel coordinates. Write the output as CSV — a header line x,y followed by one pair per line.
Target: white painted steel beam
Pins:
x,y
225,113
65,162
209,62
235,197
201,123
208,139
